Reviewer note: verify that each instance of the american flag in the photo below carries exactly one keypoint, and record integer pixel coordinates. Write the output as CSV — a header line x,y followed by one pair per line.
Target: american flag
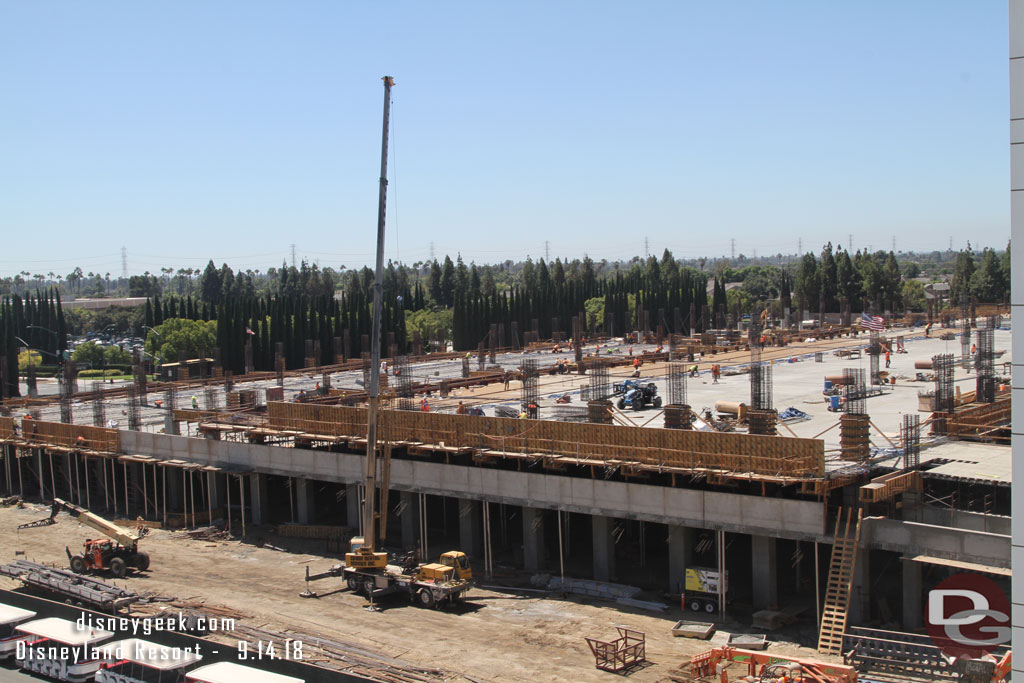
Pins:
x,y
872,322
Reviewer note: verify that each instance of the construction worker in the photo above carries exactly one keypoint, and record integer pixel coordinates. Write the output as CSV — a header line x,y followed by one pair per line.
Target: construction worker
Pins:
x,y
715,370
693,371
636,363
507,377
195,403
888,357
424,406
461,410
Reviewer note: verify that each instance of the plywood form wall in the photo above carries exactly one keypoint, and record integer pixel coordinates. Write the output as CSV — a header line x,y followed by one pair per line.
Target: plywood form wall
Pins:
x,y
768,455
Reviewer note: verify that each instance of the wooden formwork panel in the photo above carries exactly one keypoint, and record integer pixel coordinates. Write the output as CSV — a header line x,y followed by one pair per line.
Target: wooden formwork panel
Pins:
x,y
978,417
6,428
769,455
68,436
890,485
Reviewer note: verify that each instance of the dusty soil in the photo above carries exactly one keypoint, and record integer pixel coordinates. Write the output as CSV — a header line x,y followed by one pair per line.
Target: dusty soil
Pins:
x,y
496,637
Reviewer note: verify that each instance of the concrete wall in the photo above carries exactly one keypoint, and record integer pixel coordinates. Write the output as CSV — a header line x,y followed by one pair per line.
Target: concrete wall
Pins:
x,y
775,517
912,538
960,519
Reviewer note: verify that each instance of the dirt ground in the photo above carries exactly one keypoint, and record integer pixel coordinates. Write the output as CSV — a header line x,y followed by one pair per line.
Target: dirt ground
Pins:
x,y
496,637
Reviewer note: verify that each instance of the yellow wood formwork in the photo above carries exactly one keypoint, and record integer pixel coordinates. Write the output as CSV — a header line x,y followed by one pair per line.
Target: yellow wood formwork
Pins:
x,y
739,453
6,428
889,486
71,437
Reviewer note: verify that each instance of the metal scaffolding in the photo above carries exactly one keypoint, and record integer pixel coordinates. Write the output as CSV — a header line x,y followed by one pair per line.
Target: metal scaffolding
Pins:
x,y
874,351
530,391
965,332
600,387
211,398
760,385
910,440
65,397
677,384
985,365
856,391
99,419
403,384
943,367
134,422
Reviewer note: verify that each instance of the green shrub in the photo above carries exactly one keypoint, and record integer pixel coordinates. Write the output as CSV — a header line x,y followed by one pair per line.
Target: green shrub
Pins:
x,y
87,374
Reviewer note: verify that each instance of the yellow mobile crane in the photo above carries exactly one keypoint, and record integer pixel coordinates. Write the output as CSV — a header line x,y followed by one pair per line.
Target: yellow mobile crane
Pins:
x,y
117,552
366,569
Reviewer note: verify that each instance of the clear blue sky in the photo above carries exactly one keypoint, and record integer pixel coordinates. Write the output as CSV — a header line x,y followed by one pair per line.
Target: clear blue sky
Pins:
x,y
189,130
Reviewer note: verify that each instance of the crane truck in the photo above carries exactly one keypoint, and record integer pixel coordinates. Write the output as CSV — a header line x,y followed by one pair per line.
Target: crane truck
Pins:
x,y
116,553
366,569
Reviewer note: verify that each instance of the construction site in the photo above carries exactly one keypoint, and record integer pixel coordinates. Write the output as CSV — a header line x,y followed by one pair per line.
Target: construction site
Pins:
x,y
795,490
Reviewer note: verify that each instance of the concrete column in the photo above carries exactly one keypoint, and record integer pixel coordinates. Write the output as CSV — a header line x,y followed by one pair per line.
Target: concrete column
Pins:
x,y
680,556
304,500
409,517
765,572
912,589
173,475
353,507
171,425
533,538
860,593
213,489
471,527
604,548
258,498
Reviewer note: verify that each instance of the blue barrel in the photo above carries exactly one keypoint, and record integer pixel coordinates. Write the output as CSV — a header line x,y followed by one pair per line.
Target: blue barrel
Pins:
x,y
828,385
834,402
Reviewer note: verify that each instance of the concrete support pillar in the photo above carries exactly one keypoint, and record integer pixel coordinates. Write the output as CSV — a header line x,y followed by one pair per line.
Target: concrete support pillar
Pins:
x,y
171,425
353,506
765,572
912,589
214,486
604,548
409,506
680,556
304,500
258,498
471,527
860,593
533,538
173,475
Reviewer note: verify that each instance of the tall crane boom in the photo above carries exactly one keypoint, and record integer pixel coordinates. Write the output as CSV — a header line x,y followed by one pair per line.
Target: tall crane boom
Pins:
x,y
365,556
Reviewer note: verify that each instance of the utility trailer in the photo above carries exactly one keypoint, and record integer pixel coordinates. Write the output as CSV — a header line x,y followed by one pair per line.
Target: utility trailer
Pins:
x,y
700,590
427,585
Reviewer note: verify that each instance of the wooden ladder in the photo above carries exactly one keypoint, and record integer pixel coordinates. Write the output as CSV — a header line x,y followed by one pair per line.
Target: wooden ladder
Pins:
x,y
840,583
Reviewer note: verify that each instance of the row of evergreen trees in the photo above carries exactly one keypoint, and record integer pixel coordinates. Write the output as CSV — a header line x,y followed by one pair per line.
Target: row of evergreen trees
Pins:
x,y
289,320
553,303
37,321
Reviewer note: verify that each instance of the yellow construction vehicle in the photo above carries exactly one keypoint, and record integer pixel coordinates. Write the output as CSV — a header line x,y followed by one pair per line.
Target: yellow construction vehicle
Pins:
x,y
117,553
